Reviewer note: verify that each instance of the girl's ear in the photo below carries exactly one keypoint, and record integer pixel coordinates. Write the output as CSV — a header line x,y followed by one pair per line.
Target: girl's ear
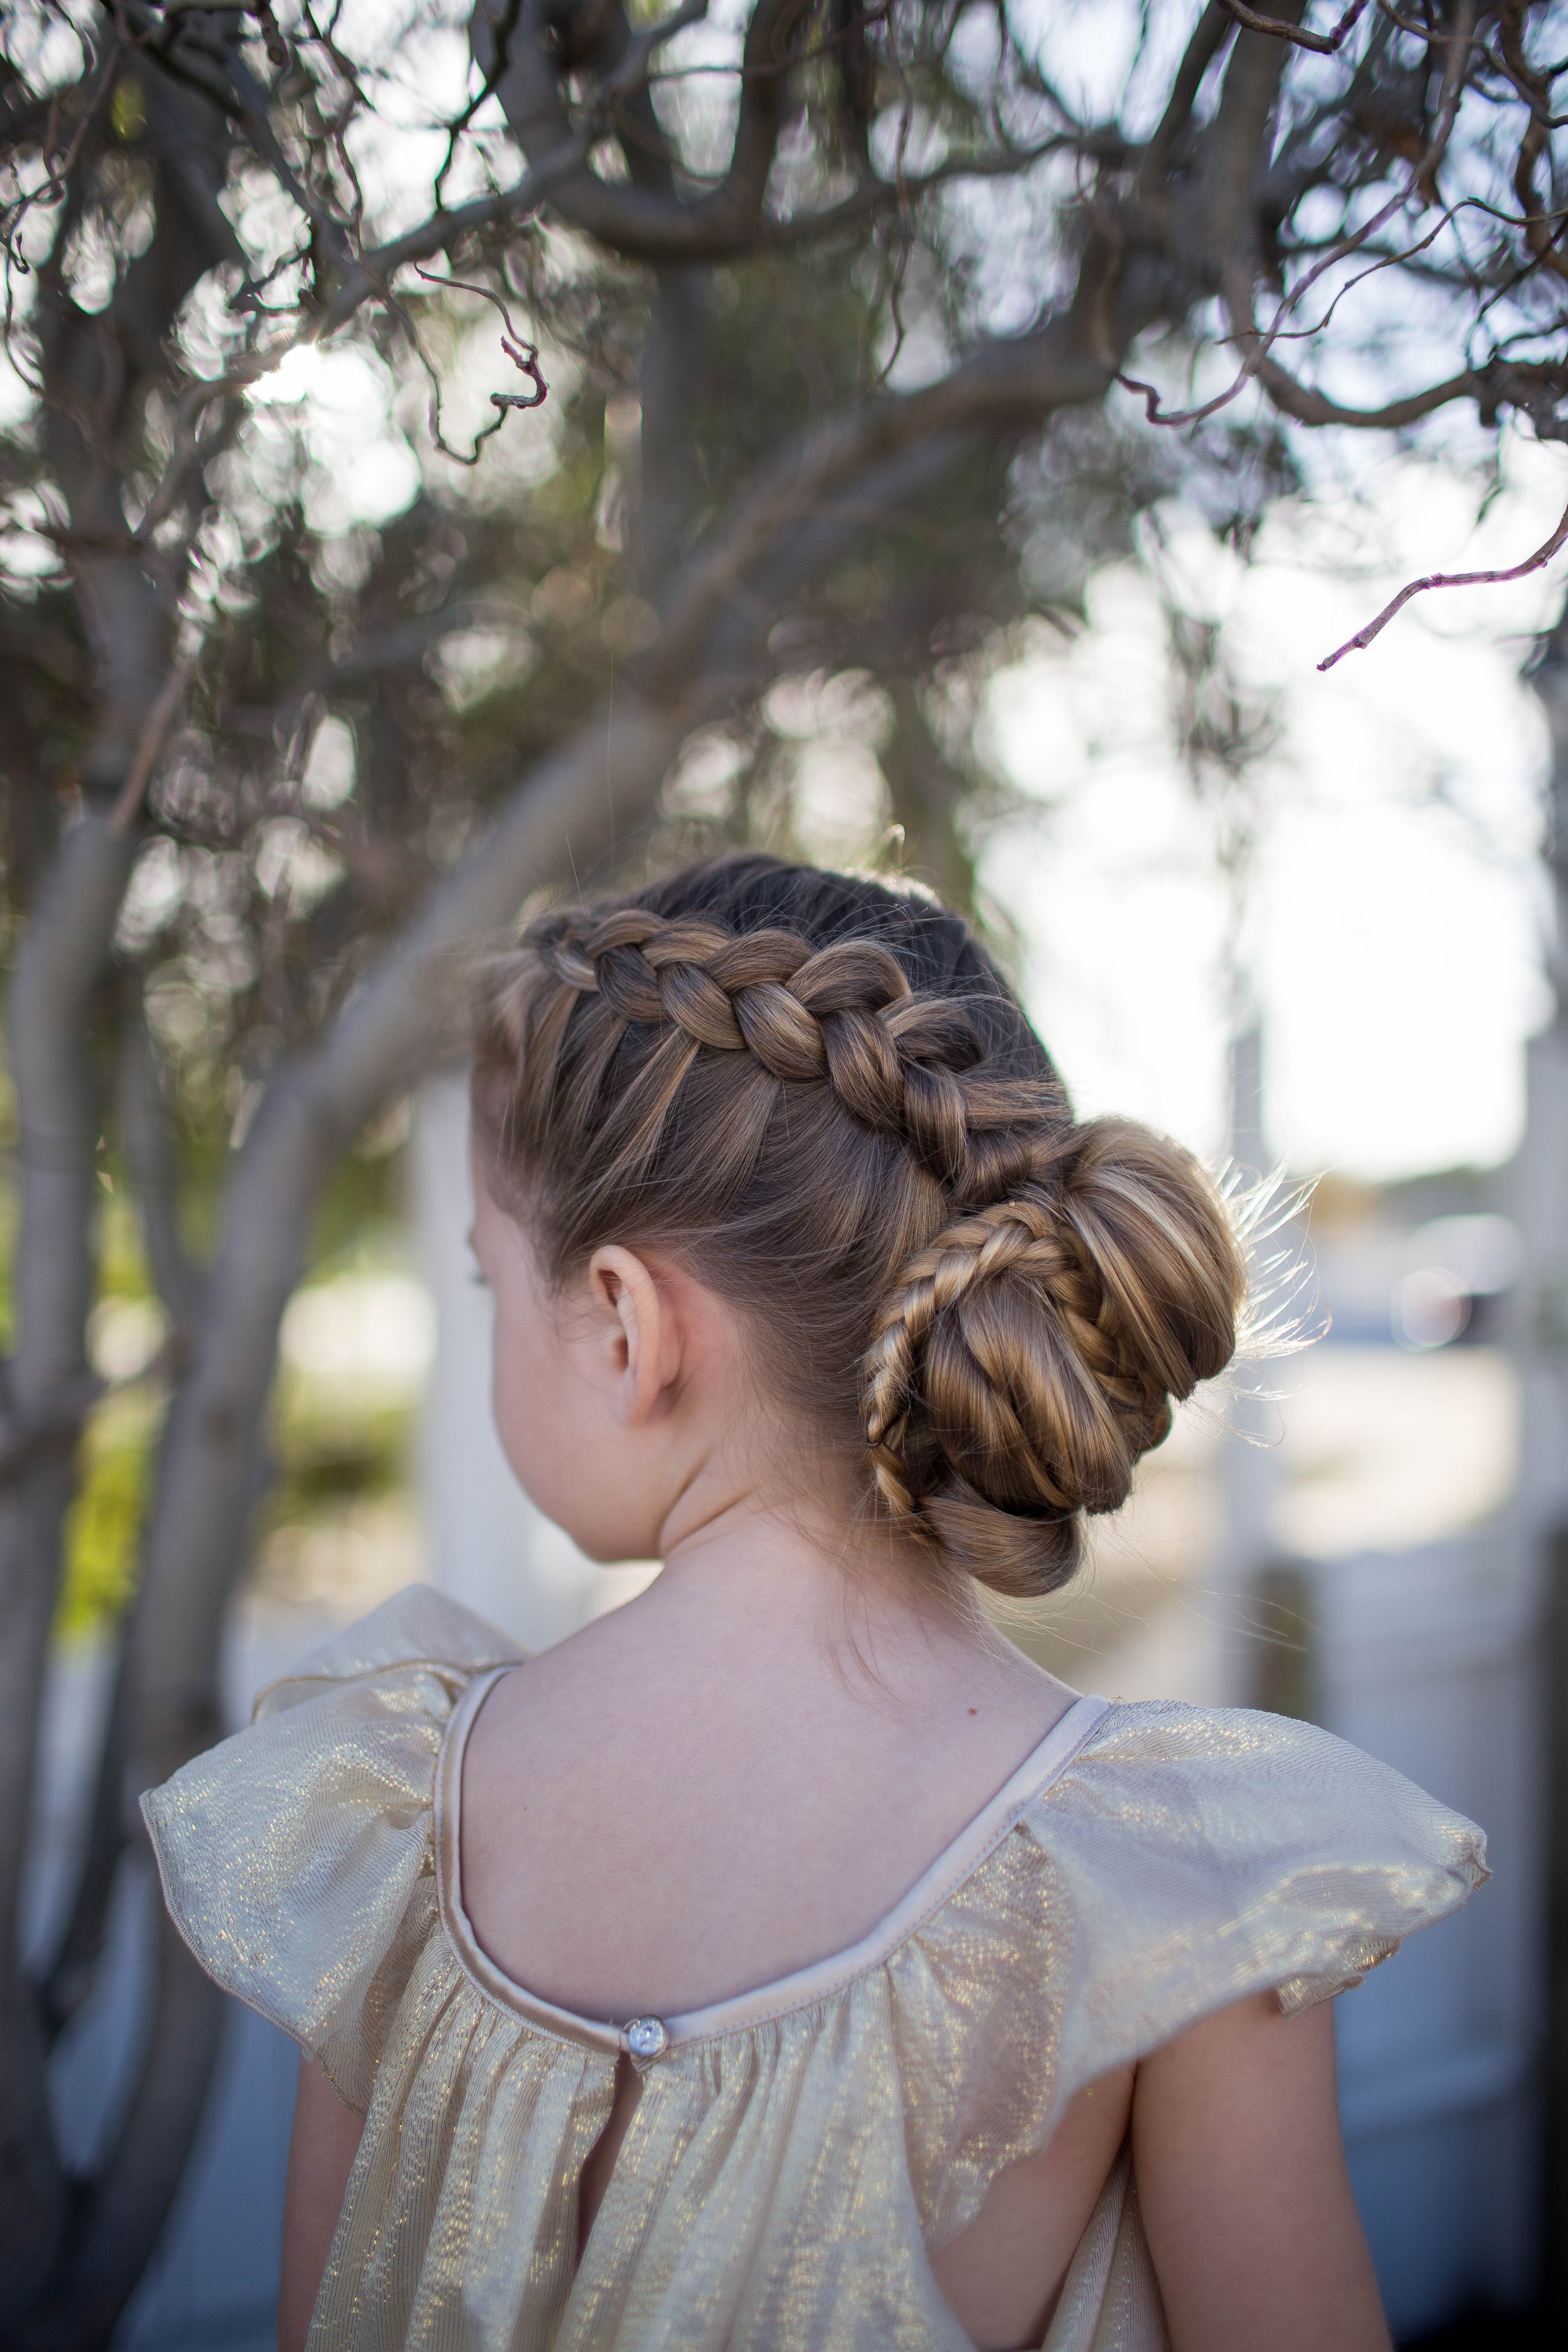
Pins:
x,y
647,1345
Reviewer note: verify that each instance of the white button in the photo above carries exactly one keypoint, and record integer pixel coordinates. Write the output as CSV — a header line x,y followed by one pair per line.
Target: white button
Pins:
x,y
646,2037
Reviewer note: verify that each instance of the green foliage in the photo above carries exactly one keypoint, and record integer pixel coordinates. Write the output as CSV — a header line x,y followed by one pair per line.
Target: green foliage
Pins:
x,y
103,1529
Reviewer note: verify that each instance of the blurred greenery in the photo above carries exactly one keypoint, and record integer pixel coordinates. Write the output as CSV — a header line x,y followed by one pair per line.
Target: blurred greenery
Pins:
x,y
334,1443
337,1441
104,1529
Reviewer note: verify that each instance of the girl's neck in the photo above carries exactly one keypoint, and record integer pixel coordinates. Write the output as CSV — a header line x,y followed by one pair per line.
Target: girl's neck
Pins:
x,y
759,1754
802,1576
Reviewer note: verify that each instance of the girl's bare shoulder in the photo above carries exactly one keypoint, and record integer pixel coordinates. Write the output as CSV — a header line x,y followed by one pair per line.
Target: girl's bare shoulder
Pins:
x,y
657,1815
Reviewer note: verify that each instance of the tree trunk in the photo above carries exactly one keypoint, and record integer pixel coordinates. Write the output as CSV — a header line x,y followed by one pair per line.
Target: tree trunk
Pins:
x,y
64,952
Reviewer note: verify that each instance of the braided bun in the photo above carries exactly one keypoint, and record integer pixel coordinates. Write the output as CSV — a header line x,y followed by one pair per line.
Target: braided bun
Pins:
x,y
1024,1360
820,1094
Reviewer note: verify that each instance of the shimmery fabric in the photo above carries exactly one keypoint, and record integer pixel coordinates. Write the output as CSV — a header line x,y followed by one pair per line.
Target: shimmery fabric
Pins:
x,y
784,2177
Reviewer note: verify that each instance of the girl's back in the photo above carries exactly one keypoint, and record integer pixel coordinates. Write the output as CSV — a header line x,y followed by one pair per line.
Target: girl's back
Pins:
x,y
783,1960
697,1795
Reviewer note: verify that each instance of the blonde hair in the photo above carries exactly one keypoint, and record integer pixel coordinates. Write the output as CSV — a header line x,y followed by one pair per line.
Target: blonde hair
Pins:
x,y
820,1095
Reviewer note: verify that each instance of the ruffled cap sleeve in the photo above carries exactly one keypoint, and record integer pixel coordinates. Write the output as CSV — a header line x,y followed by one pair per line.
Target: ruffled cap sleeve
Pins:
x,y
296,1857
1185,1858
1210,1854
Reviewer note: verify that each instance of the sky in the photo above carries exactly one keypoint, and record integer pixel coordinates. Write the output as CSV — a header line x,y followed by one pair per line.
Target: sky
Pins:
x,y
1391,905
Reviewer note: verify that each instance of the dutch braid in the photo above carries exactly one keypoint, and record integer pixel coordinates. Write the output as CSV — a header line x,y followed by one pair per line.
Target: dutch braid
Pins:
x,y
821,1094
845,1014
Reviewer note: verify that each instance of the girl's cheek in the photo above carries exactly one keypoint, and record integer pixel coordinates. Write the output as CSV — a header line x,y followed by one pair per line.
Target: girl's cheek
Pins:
x,y
527,1444
528,1393
514,1395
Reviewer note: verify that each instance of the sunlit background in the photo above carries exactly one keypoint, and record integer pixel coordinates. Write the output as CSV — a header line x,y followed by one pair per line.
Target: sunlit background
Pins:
x,y
1362,903
1296,919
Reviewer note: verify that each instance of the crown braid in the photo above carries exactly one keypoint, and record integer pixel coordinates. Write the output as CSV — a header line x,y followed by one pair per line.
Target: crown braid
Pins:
x,y
819,1094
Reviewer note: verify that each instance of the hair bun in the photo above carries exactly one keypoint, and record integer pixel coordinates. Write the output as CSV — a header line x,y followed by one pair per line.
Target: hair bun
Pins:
x,y
1023,1362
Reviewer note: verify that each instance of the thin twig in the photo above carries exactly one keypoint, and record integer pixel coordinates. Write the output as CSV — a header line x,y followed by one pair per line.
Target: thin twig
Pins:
x,y
1363,637
1325,44
523,356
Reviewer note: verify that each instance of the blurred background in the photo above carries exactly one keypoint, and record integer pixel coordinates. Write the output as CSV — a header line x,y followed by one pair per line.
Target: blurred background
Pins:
x,y
852,527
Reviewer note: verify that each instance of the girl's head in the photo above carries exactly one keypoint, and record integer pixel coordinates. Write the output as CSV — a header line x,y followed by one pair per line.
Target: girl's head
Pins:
x,y
813,1099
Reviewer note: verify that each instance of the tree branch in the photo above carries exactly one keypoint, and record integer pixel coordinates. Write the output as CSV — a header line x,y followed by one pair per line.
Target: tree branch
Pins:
x,y
67,1980
1001,389
1536,563
98,372
1311,407
1209,36
50,1427
1256,21
150,743
644,223
120,2224
62,953
148,1147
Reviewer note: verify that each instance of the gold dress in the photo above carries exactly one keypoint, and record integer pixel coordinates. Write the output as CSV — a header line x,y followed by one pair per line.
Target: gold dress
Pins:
x,y
796,2152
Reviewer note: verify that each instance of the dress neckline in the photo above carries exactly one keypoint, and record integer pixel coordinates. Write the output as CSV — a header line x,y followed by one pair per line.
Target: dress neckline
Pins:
x,y
820,1979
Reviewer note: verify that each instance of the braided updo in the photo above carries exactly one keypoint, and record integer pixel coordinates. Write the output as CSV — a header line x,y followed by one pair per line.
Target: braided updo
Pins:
x,y
818,1093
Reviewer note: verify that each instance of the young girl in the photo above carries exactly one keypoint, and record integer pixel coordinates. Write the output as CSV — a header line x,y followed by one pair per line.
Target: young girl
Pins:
x,y
783,1962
